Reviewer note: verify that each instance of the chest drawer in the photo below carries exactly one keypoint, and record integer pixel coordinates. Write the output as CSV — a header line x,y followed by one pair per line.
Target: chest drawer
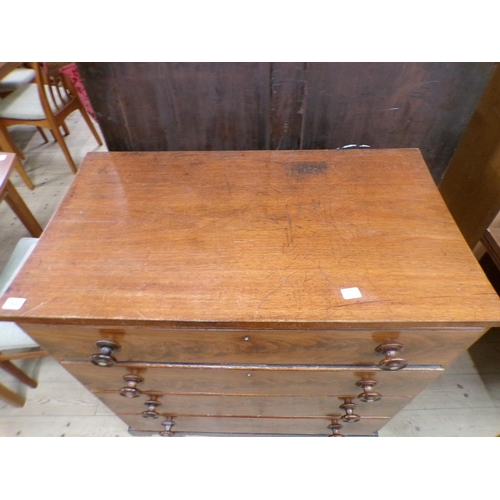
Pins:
x,y
253,426
252,382
428,347
249,406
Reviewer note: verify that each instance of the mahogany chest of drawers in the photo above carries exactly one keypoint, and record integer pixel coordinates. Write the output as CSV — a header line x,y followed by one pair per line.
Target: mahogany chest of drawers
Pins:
x,y
254,292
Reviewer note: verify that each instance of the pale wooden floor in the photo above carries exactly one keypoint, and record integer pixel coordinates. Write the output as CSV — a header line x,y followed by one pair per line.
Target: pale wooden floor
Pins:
x,y
465,401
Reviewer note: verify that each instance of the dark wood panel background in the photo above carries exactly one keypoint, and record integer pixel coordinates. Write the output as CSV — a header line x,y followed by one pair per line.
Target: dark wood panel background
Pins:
x,y
471,185
236,106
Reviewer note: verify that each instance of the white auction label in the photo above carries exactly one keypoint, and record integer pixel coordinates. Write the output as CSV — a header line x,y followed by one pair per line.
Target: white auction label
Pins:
x,y
13,303
350,293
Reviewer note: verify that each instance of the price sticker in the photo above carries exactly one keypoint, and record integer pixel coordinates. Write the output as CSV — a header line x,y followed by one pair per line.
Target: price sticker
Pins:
x,y
350,293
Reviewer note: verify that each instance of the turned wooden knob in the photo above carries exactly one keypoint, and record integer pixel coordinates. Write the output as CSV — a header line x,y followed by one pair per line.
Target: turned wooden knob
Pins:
x,y
104,358
335,427
130,390
391,361
348,406
168,424
368,395
151,405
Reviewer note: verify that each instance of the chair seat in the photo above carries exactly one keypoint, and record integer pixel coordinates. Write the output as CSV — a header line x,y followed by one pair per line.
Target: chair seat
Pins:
x,y
16,78
24,103
11,336
16,261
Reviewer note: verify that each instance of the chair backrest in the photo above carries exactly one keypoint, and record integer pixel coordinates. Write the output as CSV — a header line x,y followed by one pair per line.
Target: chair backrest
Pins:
x,y
56,90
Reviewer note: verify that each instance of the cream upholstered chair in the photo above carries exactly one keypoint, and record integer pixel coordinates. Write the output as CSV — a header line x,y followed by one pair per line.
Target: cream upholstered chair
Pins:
x,y
46,104
15,344
15,79
9,83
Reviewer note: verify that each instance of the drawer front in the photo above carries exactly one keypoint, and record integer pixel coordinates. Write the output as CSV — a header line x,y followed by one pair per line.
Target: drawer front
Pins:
x,y
241,406
250,382
244,425
436,347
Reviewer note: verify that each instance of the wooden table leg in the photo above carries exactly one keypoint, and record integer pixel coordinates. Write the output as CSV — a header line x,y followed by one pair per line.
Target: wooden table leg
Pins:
x,y
21,210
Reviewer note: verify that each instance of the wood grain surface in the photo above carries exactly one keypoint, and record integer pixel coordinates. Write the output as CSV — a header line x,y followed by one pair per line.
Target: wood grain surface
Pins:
x,y
491,242
286,105
420,347
470,186
252,406
254,237
407,382
264,425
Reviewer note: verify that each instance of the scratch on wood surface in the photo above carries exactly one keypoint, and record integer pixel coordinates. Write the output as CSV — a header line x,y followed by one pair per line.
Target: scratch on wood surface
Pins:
x,y
324,274
24,313
274,272
265,298
233,213
105,293
425,83
141,315
415,85
228,185
80,221
283,282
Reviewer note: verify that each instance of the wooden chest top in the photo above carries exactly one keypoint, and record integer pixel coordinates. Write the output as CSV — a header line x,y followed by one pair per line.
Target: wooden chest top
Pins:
x,y
264,238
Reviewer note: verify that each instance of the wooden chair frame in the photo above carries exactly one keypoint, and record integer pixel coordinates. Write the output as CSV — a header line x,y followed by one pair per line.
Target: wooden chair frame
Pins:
x,y
6,358
60,92
10,194
6,145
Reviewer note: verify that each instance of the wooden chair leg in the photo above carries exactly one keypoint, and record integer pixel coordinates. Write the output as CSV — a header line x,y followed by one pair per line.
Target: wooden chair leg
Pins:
x,y
11,397
16,203
16,372
65,129
7,144
89,123
42,133
62,144
22,173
